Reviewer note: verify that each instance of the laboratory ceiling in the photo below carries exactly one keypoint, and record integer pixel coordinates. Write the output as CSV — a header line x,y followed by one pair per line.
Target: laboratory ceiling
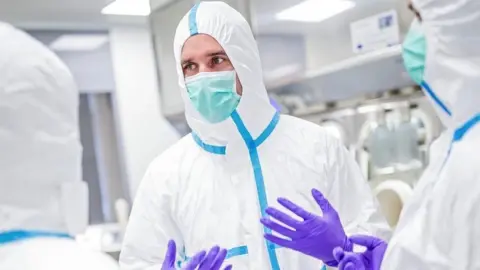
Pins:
x,y
85,14
264,11
60,14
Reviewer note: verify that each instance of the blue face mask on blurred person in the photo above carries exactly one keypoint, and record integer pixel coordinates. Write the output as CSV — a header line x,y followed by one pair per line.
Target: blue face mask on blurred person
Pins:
x,y
414,52
213,94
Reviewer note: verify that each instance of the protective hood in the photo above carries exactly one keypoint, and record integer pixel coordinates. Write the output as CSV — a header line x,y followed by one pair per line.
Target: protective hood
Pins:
x,y
453,54
40,160
229,28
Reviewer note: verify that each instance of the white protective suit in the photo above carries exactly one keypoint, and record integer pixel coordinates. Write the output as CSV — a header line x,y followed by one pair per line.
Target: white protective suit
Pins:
x,y
440,227
211,188
42,197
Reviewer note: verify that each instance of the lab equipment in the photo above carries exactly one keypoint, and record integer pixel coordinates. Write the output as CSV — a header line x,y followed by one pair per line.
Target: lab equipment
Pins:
x,y
201,261
315,235
227,172
406,144
381,143
43,200
370,259
213,94
392,196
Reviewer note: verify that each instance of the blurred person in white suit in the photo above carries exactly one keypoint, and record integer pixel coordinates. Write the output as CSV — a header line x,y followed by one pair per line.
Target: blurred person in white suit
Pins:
x,y
43,201
439,227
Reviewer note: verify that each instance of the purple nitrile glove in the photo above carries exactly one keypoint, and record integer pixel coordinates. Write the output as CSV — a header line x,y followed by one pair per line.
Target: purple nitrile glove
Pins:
x,y
315,235
370,259
201,261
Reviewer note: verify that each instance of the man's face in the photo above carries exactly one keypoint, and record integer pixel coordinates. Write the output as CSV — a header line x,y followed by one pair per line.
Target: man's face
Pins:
x,y
202,53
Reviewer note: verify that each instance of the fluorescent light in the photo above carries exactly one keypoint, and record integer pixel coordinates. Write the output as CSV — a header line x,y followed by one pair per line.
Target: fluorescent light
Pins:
x,y
315,10
128,7
79,42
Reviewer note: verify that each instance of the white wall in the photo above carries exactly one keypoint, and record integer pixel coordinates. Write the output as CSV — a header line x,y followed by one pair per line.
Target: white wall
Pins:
x,y
144,133
327,47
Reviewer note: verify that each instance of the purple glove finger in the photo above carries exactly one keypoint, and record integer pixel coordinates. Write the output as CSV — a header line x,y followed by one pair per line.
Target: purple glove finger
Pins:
x,y
338,253
170,256
324,204
196,260
365,240
317,236
279,241
228,268
284,218
351,261
350,266
299,211
272,225
376,249
209,259
217,263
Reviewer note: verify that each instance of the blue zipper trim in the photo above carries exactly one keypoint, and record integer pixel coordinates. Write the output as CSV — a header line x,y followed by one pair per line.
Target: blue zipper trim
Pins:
x,y
20,235
268,130
435,98
221,150
192,20
258,174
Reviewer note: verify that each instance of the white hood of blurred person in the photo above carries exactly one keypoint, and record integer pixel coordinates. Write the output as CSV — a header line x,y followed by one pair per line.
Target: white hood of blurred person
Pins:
x,y
212,187
43,202
440,227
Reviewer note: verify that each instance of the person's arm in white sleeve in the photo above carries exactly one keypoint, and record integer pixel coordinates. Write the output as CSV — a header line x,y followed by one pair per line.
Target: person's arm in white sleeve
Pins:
x,y
350,194
150,224
444,234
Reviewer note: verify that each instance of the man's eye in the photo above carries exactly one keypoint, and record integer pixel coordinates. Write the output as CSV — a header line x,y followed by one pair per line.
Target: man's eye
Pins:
x,y
217,60
189,67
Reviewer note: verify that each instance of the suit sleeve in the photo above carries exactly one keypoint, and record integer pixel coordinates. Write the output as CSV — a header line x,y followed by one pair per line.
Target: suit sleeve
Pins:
x,y
150,225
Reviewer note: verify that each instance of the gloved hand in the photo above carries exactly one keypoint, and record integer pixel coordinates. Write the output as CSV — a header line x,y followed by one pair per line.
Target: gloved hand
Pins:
x,y
370,259
315,235
201,261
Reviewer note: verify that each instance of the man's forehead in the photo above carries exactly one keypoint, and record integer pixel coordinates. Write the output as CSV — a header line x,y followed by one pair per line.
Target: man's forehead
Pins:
x,y
201,45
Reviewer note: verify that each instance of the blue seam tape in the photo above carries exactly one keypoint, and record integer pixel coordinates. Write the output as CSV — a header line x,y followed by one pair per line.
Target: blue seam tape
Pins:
x,y
266,133
192,20
237,251
221,150
19,235
258,174
435,97
233,252
461,131
217,150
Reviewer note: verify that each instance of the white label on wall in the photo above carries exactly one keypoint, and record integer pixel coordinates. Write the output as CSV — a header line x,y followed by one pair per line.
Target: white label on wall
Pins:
x,y
375,32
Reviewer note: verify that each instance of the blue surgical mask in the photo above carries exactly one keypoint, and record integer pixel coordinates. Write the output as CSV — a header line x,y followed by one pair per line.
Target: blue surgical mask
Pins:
x,y
213,94
414,52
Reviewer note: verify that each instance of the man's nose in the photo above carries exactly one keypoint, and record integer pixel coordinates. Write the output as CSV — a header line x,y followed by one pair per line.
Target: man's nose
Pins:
x,y
205,68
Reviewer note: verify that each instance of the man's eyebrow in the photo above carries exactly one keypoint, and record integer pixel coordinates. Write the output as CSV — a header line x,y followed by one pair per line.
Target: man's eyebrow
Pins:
x,y
210,54
186,61
222,53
